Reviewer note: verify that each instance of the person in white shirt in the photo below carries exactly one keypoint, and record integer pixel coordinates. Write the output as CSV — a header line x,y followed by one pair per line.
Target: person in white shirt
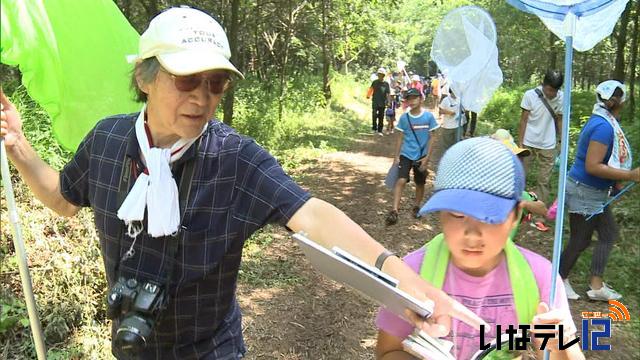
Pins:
x,y
452,119
540,129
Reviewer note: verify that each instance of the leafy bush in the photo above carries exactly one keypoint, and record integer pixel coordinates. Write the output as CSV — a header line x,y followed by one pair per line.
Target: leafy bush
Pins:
x,y
257,105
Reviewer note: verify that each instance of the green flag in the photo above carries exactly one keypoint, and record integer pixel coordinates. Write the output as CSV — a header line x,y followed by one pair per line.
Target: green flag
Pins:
x,y
72,55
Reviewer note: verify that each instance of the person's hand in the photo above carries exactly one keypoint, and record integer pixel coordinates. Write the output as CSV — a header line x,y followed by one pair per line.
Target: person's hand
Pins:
x,y
536,207
635,175
423,164
555,317
10,122
439,323
396,160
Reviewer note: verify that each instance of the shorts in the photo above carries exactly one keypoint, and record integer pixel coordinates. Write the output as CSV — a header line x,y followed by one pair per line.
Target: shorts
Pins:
x,y
405,166
584,199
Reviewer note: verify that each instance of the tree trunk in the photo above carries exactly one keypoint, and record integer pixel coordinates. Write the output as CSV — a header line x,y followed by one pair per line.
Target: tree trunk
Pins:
x,y
553,56
346,50
621,38
584,72
233,44
291,19
326,60
634,63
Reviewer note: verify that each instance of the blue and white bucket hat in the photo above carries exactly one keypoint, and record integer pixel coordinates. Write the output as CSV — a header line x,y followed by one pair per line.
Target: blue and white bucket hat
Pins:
x,y
478,177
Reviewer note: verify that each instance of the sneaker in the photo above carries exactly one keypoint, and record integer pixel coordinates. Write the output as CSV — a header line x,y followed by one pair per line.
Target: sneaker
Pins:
x,y
392,217
605,293
380,133
568,289
416,212
540,226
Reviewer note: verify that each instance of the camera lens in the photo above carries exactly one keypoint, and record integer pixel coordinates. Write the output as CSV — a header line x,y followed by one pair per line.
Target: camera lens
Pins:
x,y
132,334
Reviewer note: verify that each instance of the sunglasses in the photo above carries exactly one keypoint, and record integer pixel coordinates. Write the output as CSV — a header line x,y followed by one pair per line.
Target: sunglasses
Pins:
x,y
216,83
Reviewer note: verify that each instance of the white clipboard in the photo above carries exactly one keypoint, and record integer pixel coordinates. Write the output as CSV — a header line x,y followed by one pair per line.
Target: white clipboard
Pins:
x,y
368,280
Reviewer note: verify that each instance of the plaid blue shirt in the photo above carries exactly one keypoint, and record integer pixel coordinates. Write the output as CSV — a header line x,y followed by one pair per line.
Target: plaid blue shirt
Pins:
x,y
237,188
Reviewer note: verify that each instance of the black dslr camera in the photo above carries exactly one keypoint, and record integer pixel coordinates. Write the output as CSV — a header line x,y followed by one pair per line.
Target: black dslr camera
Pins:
x,y
138,305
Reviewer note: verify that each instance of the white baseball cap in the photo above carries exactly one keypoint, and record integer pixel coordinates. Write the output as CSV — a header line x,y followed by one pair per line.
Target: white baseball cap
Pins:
x,y
185,41
382,71
606,88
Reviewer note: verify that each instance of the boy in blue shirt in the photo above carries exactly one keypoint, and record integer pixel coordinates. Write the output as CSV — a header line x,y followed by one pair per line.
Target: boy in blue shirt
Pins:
x,y
413,150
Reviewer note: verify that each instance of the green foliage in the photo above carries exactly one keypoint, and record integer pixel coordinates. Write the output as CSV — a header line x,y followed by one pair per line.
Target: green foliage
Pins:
x,y
12,314
305,116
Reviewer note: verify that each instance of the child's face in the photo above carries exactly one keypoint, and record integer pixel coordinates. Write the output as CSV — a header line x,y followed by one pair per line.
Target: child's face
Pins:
x,y
413,102
476,247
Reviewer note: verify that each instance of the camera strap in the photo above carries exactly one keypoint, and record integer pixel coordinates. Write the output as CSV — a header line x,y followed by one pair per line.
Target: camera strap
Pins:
x,y
128,177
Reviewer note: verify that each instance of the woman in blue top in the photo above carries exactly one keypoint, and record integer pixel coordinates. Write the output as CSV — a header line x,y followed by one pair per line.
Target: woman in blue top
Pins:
x,y
603,157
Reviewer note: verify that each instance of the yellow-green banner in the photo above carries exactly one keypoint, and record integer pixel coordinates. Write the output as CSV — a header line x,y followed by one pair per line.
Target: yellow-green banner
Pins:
x,y
72,58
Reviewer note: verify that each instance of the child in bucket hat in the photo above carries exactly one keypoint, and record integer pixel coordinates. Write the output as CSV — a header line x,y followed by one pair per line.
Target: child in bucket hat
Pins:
x,y
477,194
529,202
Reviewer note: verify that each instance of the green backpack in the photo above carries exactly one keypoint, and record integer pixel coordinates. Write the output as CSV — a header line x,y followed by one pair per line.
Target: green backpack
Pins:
x,y
523,283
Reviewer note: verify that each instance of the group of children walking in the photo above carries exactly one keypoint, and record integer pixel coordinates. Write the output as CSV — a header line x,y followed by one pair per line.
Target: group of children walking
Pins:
x,y
480,197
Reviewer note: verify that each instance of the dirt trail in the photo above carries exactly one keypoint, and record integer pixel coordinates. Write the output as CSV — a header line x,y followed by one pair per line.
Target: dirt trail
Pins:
x,y
315,318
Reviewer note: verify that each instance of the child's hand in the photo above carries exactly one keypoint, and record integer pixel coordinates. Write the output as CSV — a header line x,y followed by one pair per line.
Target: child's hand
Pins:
x,y
446,308
536,207
423,164
555,317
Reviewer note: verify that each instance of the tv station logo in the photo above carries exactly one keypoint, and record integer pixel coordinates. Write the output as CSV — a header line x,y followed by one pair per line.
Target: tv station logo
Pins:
x,y
596,326
591,337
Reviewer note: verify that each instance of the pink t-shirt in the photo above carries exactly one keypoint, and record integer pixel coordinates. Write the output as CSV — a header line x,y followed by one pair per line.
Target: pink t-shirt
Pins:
x,y
489,296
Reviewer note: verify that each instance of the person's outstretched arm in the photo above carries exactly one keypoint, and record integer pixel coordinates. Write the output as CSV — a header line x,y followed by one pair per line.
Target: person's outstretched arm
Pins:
x,y
41,178
328,226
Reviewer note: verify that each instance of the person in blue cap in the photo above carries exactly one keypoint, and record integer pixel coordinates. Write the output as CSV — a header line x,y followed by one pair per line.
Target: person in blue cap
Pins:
x,y
477,194
413,150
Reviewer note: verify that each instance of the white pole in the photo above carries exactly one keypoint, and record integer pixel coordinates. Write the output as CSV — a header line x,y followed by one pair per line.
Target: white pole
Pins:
x,y
21,255
564,155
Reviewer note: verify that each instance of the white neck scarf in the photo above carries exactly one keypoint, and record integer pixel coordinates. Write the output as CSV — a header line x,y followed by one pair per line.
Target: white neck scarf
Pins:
x,y
621,151
157,192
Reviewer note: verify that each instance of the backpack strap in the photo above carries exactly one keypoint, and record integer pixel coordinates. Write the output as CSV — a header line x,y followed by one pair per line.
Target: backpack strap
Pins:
x,y
414,134
524,287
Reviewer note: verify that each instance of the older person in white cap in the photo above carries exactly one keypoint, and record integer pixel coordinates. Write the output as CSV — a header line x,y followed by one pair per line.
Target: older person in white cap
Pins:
x,y
603,158
176,193
379,92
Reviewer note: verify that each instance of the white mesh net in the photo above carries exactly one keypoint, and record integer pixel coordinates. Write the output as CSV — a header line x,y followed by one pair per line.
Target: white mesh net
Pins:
x,y
465,49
